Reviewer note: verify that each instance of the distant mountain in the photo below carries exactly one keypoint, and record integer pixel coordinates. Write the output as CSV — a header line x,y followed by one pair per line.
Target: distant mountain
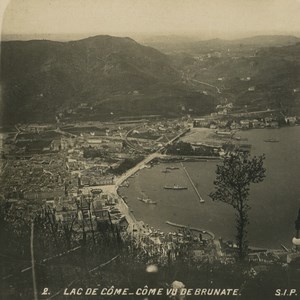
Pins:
x,y
176,44
42,78
257,41
269,40
272,75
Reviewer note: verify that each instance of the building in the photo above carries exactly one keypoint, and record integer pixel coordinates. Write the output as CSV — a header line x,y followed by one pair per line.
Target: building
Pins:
x,y
291,120
122,223
95,180
245,124
223,123
95,143
255,123
274,124
235,125
224,133
65,216
201,122
102,215
268,121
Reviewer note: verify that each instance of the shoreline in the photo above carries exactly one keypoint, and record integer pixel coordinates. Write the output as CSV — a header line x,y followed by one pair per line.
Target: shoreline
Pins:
x,y
259,147
125,209
211,234
164,159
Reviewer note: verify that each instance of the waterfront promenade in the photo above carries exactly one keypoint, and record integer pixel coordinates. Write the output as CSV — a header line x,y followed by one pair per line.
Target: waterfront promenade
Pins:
x,y
136,168
133,225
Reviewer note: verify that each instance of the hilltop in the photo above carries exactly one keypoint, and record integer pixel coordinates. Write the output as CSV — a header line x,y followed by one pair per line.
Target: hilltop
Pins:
x,y
109,75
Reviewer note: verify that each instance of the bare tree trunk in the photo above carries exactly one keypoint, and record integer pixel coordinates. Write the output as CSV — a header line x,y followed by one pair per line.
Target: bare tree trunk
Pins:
x,y
242,221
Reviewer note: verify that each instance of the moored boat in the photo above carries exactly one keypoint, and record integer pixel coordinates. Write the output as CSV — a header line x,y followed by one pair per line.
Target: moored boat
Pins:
x,y
147,201
172,168
175,187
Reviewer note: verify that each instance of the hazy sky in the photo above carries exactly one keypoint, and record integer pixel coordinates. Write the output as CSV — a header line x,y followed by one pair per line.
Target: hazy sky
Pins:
x,y
211,18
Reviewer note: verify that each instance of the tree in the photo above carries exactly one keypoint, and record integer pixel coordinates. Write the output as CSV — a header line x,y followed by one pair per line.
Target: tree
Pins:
x,y
232,185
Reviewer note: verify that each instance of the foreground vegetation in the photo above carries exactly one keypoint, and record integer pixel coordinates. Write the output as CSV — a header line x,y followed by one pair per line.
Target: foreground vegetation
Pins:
x,y
67,258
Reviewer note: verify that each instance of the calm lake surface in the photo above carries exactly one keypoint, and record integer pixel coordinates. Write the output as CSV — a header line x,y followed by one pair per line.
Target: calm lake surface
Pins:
x,y
275,202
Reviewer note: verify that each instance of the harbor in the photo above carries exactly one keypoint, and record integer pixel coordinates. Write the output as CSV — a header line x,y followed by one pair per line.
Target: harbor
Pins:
x,y
180,206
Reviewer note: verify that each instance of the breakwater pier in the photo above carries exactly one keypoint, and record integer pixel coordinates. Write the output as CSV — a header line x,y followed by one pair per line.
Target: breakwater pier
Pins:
x,y
201,200
191,228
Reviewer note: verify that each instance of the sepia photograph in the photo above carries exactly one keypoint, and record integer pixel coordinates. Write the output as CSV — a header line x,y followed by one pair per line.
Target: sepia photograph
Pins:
x,y
149,149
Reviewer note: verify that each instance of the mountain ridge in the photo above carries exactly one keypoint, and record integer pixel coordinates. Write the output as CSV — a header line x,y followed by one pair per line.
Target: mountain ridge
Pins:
x,y
41,75
195,46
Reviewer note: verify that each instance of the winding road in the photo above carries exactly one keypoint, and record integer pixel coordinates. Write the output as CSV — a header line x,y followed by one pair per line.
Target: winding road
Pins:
x,y
208,84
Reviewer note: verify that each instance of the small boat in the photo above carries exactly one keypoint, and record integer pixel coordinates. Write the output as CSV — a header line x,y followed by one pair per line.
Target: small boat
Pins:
x,y
172,168
175,187
271,141
202,200
147,201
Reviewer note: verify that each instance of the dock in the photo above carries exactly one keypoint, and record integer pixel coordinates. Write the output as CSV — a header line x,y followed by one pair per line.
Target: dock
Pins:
x,y
192,183
191,228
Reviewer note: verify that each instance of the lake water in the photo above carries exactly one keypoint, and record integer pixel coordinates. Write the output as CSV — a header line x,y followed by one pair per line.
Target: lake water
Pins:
x,y
275,202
